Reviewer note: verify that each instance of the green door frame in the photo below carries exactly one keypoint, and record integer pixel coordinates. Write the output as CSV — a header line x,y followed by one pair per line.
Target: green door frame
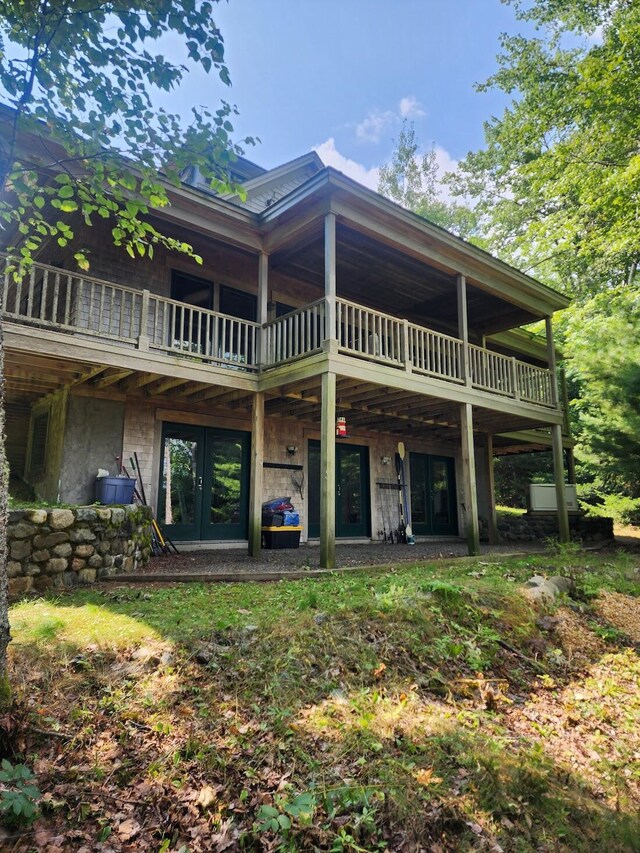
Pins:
x,y
201,526
421,466
344,529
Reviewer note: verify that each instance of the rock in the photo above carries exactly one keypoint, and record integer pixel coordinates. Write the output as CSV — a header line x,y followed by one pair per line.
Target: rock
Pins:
x,y
204,655
40,556
320,618
548,623
103,547
544,593
37,516
127,564
56,565
21,530
103,513
50,539
14,569
117,515
84,551
20,549
18,586
69,578
82,534
536,580
86,513
561,583
77,564
31,569
63,550
87,576
250,629
59,519
95,562
42,583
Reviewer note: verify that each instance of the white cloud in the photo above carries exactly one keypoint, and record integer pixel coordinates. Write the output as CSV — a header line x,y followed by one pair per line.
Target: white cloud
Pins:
x,y
410,107
330,156
374,125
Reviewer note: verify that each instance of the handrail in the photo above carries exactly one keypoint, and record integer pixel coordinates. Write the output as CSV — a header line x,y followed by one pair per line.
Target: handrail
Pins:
x,y
63,300
368,333
295,334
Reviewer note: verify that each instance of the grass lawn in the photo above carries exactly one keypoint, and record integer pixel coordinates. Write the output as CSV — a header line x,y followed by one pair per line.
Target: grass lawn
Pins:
x,y
423,708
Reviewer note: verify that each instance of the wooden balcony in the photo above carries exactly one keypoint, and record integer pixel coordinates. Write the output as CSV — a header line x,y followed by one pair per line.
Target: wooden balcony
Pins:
x,y
52,299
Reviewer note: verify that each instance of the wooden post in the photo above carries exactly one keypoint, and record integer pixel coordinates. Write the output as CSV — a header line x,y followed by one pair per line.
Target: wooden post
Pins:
x,y
463,326
255,482
469,479
406,346
558,471
551,360
330,332
491,490
328,473
263,298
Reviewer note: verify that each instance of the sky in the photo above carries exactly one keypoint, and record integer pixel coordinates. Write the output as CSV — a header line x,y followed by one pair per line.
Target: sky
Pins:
x,y
338,76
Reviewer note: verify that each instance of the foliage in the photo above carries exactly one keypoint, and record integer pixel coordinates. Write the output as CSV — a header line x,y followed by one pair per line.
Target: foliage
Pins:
x,y
557,183
514,473
606,389
82,139
411,180
18,795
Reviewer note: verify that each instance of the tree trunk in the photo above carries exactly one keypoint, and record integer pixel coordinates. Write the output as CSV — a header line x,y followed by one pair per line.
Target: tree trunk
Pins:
x,y
5,692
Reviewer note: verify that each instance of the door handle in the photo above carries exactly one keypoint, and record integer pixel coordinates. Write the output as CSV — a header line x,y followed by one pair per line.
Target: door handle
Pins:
x,y
200,483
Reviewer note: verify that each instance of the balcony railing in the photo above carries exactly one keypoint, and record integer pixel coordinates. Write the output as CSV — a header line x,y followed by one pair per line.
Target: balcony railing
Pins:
x,y
48,297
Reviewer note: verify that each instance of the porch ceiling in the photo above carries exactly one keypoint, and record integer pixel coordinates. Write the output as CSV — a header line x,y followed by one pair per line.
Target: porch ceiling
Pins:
x,y
384,278
377,408
30,377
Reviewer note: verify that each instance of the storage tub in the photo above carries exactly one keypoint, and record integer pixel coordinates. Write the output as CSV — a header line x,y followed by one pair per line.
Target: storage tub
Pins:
x,y
274,538
115,490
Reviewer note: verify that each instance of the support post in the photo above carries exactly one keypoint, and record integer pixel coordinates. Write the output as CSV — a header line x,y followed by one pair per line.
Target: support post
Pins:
x,y
558,472
469,479
328,473
330,287
255,482
463,326
551,360
491,489
263,298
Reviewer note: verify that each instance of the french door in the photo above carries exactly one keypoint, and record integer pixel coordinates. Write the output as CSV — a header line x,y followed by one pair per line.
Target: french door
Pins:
x,y
204,482
353,514
433,495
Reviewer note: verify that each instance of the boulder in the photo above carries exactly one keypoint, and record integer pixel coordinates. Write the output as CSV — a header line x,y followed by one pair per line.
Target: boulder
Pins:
x,y
60,519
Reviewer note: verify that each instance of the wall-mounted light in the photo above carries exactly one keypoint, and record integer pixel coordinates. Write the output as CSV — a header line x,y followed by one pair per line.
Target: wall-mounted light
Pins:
x,y
386,460
292,449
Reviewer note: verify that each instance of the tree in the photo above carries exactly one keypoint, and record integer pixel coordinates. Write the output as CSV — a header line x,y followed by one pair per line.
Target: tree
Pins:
x,y
558,182
81,139
411,180
606,381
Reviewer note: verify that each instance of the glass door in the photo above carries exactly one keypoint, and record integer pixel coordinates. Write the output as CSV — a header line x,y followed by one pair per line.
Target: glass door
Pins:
x,y
180,493
204,483
433,495
353,515
226,485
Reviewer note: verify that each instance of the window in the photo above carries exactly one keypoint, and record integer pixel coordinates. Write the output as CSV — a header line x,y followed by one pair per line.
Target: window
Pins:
x,y
39,432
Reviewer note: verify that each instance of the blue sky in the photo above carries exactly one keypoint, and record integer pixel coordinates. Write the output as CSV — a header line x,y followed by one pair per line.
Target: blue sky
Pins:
x,y
338,76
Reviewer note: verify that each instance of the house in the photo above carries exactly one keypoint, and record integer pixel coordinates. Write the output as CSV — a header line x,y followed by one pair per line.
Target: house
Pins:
x,y
317,299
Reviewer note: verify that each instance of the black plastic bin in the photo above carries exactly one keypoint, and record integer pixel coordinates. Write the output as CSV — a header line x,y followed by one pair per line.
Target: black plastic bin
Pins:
x,y
274,538
115,490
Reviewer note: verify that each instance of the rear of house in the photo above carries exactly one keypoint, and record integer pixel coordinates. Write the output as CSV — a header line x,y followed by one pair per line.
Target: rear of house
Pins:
x,y
317,299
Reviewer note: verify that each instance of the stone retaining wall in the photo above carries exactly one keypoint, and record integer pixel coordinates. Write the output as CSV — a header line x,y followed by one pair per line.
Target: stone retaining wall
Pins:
x,y
55,548
540,526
